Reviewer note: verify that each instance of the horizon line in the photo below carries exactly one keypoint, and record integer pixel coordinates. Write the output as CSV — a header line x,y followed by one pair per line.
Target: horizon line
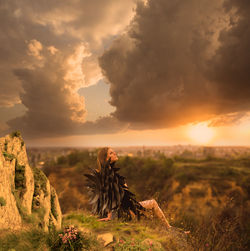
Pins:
x,y
126,146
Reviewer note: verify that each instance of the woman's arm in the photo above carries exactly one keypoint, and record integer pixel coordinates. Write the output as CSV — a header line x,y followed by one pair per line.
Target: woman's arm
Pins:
x,y
107,218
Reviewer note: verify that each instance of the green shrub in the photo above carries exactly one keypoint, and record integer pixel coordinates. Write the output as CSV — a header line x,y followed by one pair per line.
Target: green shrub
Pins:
x,y
2,202
15,134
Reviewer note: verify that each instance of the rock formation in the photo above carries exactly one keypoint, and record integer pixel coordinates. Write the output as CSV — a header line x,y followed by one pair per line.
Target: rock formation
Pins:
x,y
26,195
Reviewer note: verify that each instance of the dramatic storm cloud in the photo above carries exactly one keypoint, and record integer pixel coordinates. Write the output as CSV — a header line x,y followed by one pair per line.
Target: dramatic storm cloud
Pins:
x,y
180,62
50,96
49,50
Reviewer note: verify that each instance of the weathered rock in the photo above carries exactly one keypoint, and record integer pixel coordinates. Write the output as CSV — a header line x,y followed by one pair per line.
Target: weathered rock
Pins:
x,y
9,214
25,191
55,208
106,237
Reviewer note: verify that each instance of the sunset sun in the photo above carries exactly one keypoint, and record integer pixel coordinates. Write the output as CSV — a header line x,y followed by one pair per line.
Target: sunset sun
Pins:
x,y
201,133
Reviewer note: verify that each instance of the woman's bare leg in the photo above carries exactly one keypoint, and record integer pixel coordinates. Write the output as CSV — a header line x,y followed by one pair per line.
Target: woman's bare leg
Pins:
x,y
152,204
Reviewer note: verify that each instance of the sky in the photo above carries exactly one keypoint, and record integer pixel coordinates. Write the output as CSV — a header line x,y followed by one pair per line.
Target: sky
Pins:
x,y
118,73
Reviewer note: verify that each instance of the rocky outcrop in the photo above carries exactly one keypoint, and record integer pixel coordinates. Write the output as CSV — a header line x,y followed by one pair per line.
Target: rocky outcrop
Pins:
x,y
26,195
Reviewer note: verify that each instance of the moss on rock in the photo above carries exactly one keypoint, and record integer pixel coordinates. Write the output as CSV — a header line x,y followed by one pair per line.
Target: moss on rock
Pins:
x,y
40,182
2,201
20,179
15,134
8,156
53,206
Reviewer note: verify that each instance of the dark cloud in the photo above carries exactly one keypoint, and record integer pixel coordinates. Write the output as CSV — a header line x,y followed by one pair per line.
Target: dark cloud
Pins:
x,y
229,67
48,51
180,62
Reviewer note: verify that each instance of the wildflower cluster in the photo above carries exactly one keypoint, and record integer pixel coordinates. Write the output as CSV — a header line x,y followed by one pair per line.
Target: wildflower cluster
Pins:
x,y
70,239
70,235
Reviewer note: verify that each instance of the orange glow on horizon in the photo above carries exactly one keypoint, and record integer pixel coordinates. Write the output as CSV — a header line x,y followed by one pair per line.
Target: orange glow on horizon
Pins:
x,y
193,134
201,133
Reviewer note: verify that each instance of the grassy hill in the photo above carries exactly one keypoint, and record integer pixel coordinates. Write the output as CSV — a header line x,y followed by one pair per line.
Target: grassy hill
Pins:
x,y
144,235
210,197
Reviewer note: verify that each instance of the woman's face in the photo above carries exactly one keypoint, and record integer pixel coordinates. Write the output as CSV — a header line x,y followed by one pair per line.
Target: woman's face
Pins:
x,y
112,155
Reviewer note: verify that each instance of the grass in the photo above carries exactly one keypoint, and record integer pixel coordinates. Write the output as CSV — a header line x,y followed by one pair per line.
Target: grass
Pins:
x,y
128,235
36,239
217,232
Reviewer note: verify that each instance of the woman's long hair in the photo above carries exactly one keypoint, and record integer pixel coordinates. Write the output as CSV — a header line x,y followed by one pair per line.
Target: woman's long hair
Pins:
x,y
101,157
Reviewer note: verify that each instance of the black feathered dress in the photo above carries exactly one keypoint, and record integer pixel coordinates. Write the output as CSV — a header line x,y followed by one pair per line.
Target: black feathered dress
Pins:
x,y
108,192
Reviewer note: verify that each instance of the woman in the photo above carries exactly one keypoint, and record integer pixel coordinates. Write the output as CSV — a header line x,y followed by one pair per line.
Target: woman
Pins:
x,y
109,192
